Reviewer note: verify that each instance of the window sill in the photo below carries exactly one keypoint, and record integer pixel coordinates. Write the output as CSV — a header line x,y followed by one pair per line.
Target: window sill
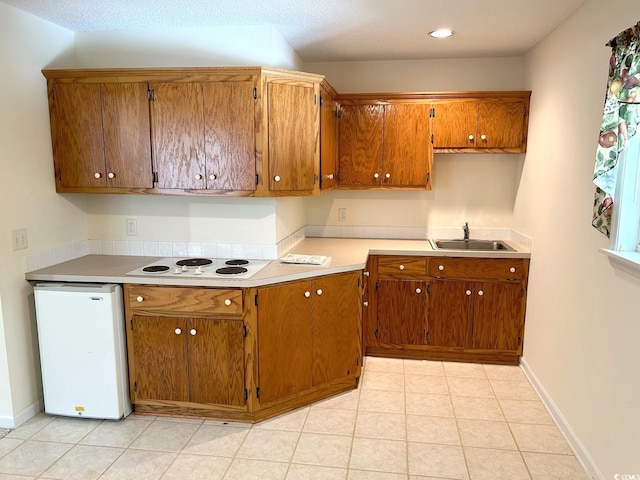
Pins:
x,y
628,262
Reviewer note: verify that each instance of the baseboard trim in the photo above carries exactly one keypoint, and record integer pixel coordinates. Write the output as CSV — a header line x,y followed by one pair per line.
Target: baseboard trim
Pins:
x,y
31,411
579,450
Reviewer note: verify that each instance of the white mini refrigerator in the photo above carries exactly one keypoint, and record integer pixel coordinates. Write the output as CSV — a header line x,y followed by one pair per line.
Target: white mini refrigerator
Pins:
x,y
83,356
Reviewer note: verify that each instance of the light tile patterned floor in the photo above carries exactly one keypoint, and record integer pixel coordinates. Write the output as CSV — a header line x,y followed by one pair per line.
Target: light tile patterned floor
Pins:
x,y
409,420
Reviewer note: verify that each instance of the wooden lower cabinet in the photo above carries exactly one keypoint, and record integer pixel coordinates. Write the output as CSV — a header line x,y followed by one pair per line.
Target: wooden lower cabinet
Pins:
x,y
242,354
458,309
309,338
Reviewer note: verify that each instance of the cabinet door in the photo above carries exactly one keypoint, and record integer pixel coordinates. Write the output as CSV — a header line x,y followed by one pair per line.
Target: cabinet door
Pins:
x,y
178,135
125,118
360,145
284,340
160,358
229,135
497,318
336,320
402,312
455,125
501,124
328,140
216,361
407,145
293,136
450,313
76,130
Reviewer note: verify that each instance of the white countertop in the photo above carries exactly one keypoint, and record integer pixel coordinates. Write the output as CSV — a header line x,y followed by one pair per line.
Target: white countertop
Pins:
x,y
347,254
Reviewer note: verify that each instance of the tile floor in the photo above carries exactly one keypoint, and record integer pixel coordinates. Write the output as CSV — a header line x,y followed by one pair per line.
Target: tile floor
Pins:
x,y
410,419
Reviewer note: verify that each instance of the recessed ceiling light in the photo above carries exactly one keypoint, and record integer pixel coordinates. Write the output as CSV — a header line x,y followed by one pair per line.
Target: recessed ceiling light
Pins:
x,y
441,33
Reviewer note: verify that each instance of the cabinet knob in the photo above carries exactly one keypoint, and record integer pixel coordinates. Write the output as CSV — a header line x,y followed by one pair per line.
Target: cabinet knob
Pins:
x,y
193,331
366,274
401,267
319,291
376,175
512,269
212,177
387,176
277,178
483,137
418,290
198,177
330,176
480,292
139,298
111,175
178,331
471,138
307,294
227,302
97,175
441,267
468,292
366,304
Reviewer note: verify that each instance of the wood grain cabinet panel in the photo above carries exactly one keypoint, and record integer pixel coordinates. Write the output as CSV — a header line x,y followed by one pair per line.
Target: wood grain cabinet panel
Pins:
x,y
402,267
100,136
450,313
328,139
497,316
360,145
186,300
408,154
293,136
309,334
402,312
455,125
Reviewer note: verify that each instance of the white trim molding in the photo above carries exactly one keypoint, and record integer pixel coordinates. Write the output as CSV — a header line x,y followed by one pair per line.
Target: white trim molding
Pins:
x,y
31,411
628,262
579,450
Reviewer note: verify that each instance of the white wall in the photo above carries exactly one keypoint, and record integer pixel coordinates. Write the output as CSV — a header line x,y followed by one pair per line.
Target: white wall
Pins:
x,y
480,189
583,321
27,198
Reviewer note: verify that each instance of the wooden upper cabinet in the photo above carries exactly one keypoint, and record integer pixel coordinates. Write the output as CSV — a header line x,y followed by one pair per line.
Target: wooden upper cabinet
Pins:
x,y
229,130
408,154
177,122
485,124
293,135
328,139
125,121
385,145
360,145
204,135
100,135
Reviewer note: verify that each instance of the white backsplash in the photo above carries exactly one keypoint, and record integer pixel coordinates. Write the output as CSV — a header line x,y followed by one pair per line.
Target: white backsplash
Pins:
x,y
255,252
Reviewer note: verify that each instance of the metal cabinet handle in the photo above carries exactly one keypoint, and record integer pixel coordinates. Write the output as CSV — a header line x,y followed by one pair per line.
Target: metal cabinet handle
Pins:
x,y
307,294
139,298
418,290
512,269
468,292
212,177
198,177
178,331
319,291
480,292
97,175
441,267
277,178
471,138
387,176
227,302
401,267
376,175
111,175
193,331
483,137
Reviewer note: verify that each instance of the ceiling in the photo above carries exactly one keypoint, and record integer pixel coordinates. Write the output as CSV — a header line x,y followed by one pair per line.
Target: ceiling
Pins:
x,y
336,30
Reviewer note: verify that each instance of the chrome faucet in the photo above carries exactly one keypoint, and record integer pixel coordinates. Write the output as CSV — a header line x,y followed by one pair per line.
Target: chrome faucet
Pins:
x,y
465,230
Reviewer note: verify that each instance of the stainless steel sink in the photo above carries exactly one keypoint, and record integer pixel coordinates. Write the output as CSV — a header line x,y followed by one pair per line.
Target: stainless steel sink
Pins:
x,y
470,245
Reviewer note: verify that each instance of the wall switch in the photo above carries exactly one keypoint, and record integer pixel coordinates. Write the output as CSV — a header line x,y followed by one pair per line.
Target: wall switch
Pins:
x,y
132,227
342,215
19,239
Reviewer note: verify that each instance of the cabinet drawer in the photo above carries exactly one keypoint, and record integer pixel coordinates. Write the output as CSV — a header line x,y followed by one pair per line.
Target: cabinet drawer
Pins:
x,y
402,267
478,268
200,301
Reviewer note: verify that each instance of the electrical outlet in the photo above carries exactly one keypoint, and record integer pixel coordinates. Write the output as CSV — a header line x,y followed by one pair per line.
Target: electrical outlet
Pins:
x,y
19,239
132,227
342,215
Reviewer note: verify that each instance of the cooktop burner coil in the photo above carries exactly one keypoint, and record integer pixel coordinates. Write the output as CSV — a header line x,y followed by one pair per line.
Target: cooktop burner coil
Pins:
x,y
194,262
237,262
231,270
155,269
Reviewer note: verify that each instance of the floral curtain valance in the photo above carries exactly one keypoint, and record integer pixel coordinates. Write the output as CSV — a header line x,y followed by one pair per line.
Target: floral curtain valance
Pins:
x,y
619,123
